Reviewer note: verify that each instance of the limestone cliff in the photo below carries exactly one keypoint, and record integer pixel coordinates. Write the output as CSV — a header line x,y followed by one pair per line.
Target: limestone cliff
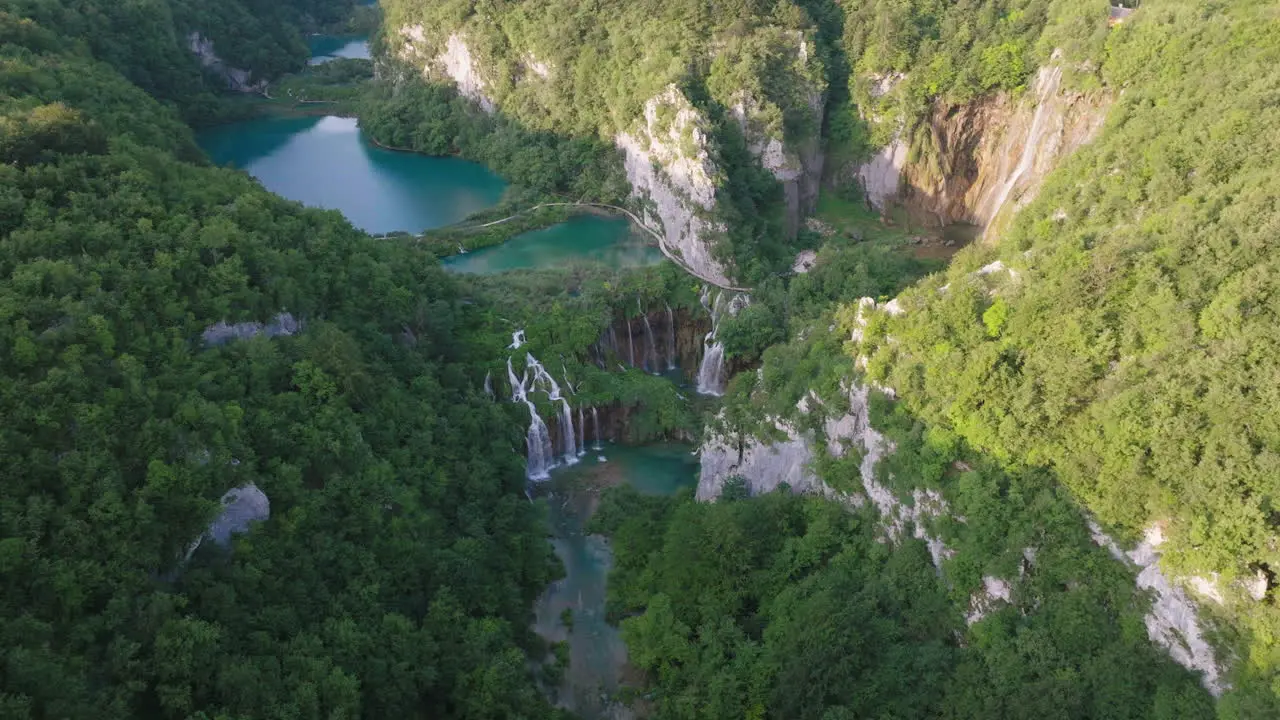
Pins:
x,y
765,466
671,173
977,162
236,79
796,161
450,60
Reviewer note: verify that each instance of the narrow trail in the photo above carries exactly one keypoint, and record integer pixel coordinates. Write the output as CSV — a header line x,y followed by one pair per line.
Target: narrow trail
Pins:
x,y
656,235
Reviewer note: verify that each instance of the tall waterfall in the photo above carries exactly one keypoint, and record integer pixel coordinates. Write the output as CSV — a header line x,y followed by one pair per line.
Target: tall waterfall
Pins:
x,y
567,434
595,420
651,355
631,343
488,384
582,434
1046,86
541,455
711,371
671,339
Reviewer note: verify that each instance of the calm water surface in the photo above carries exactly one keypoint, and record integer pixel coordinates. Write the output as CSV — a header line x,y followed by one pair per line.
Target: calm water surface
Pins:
x,y
325,48
591,238
327,162
597,653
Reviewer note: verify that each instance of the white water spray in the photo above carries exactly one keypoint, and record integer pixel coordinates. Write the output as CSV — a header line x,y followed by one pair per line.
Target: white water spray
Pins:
x,y
540,455
595,420
711,371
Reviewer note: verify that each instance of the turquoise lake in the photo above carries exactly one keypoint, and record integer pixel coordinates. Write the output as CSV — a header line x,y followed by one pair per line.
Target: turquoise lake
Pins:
x,y
583,238
327,162
325,48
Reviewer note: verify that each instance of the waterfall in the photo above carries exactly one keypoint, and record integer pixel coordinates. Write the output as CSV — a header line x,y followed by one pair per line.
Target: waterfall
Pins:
x,y
488,383
1047,83
582,434
671,339
567,433
595,419
631,343
651,357
711,371
540,458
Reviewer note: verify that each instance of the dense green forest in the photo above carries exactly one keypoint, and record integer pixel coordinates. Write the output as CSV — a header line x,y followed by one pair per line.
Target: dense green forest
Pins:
x,y
396,575
789,607
1118,367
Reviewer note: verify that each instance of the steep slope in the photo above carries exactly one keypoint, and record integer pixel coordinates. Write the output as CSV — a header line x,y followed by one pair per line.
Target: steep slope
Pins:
x,y
1130,347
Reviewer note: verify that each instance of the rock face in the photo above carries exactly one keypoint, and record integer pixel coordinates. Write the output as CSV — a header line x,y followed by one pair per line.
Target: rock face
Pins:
x,y
241,507
987,157
453,62
798,167
1172,622
669,166
881,176
235,78
220,333
765,466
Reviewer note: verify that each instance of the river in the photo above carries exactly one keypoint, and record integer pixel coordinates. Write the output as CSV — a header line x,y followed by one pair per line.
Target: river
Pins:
x,y
597,655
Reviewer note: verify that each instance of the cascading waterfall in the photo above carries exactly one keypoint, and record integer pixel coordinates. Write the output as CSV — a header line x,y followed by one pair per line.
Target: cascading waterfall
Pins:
x,y
1047,83
671,339
582,434
488,384
711,371
595,420
542,380
540,456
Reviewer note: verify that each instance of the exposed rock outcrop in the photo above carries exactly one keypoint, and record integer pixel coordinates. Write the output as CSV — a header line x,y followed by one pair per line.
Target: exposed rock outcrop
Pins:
x,y
994,591
765,466
670,159
979,160
454,61
236,79
1172,623
241,508
220,333
671,172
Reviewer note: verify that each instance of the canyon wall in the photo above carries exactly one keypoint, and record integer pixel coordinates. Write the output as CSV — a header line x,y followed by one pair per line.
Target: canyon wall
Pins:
x,y
975,163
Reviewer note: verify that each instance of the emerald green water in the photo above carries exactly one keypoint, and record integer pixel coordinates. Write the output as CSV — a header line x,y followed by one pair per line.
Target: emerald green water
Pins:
x,y
327,162
597,654
325,48
590,238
